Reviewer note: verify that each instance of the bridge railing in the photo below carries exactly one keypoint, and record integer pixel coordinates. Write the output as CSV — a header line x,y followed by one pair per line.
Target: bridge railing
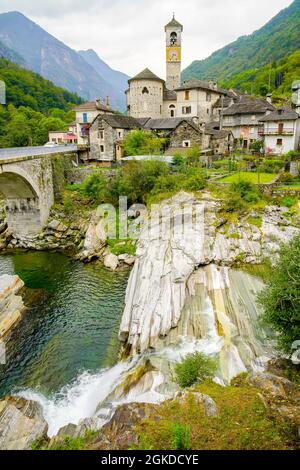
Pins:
x,y
34,151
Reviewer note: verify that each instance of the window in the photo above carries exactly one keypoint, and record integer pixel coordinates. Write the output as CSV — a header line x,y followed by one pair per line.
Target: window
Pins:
x,y
186,143
208,97
207,111
84,118
173,39
253,117
145,91
102,148
279,142
280,128
186,110
172,110
251,130
101,134
186,95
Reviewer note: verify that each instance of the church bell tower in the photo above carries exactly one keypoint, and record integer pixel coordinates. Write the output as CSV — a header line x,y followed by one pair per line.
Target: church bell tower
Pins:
x,y
173,39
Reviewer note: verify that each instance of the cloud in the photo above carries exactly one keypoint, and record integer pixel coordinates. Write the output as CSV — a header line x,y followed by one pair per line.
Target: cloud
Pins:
x,y
129,34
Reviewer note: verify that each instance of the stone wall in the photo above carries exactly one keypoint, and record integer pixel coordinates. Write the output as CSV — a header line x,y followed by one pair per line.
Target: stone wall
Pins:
x,y
145,105
185,132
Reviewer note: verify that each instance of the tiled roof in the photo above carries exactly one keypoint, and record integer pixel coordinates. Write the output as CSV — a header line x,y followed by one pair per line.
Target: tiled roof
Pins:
x,y
202,85
163,124
117,121
92,106
249,105
282,114
146,75
170,95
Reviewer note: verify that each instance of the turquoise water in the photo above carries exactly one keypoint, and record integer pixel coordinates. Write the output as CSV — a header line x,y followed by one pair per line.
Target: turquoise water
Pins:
x,y
72,327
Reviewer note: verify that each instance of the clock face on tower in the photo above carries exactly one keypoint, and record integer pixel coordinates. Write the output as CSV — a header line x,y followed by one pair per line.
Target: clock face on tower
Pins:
x,y
173,54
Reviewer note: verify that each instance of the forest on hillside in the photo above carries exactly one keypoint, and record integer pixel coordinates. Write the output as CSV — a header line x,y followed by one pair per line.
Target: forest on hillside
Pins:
x,y
34,106
276,78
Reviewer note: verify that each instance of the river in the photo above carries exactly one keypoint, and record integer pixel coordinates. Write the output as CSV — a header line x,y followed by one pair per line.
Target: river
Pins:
x,y
71,330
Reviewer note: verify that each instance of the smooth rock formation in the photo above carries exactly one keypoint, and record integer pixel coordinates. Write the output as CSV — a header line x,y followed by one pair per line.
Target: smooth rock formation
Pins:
x,y
11,305
21,423
169,251
111,261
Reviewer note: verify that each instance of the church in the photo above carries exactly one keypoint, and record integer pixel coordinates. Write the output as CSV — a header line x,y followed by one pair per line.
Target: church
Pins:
x,y
149,96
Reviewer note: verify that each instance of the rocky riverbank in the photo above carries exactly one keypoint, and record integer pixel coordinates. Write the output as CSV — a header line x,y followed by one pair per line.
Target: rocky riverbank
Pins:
x,y
11,304
184,294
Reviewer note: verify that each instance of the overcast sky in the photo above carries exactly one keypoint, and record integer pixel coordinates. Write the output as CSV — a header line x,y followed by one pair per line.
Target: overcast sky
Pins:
x,y
129,34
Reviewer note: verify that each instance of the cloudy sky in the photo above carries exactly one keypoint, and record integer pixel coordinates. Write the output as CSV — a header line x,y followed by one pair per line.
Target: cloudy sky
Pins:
x,y
129,34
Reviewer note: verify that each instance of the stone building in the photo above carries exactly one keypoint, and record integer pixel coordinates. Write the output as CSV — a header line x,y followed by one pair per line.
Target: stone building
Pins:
x,y
187,134
243,119
149,96
107,133
197,98
281,131
85,115
173,32
145,95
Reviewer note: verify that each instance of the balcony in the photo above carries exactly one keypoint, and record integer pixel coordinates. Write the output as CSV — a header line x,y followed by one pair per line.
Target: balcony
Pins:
x,y
276,131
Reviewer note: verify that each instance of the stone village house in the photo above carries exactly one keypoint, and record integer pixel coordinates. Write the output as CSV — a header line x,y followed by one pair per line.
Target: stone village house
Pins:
x,y
281,131
243,119
107,133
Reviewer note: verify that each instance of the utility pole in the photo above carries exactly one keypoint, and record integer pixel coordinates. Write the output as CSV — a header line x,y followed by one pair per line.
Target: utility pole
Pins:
x,y
222,111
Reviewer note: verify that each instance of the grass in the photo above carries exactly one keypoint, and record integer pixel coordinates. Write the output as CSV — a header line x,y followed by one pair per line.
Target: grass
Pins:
x,y
120,247
243,423
66,443
290,187
264,178
257,221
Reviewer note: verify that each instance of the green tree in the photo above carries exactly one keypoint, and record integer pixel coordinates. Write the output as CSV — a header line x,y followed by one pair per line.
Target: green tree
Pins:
x,y
281,298
140,142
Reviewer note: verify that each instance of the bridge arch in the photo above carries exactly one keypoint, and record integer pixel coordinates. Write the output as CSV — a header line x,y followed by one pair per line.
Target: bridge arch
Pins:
x,y
24,205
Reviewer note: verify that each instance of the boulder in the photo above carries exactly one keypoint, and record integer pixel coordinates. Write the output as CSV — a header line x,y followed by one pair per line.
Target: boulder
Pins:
x,y
11,305
272,385
210,407
111,261
21,423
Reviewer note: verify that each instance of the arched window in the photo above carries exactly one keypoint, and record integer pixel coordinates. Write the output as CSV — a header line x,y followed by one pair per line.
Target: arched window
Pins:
x,y
173,39
145,91
172,109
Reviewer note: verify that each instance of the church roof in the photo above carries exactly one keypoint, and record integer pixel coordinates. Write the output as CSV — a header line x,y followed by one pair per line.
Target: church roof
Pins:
x,y
173,24
146,75
195,84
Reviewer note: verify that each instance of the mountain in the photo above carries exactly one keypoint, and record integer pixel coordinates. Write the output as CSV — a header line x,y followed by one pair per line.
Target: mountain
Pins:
x,y
276,78
278,38
55,61
9,54
117,79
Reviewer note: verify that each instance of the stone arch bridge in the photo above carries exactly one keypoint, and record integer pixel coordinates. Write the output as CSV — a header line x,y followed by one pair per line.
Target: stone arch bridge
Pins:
x,y
31,180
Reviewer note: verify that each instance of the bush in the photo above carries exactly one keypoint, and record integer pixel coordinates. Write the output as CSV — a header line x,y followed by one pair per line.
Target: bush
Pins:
x,y
94,187
136,180
194,369
240,195
281,298
195,180
271,166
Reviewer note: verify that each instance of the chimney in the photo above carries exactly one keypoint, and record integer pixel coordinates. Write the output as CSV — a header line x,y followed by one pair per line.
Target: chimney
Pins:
x,y
269,98
107,103
98,103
